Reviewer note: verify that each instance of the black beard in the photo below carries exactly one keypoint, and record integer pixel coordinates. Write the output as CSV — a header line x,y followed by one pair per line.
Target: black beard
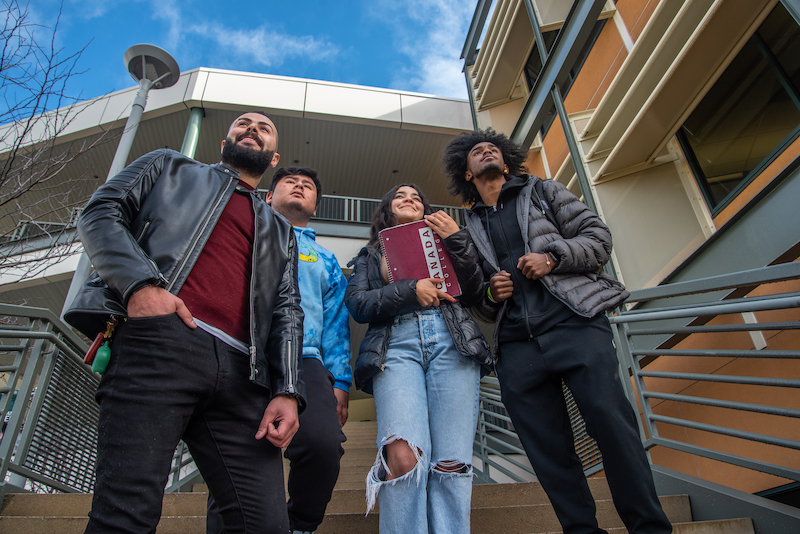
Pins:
x,y
491,166
245,159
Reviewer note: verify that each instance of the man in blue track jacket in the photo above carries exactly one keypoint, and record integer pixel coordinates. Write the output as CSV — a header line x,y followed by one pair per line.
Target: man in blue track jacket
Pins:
x,y
316,449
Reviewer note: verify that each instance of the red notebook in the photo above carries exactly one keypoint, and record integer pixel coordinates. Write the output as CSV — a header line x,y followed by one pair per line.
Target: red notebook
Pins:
x,y
413,250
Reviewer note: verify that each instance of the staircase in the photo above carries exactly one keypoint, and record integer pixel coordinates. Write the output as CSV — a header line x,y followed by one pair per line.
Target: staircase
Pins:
x,y
503,508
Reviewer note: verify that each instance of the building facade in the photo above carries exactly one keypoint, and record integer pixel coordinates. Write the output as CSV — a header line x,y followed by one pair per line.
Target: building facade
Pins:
x,y
678,122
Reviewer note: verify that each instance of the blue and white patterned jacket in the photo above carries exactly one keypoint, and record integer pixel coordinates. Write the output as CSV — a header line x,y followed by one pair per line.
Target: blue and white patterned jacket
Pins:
x,y
326,327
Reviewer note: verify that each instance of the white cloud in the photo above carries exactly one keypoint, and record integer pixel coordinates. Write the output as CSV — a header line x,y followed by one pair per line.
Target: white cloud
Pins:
x,y
433,43
91,9
246,46
264,47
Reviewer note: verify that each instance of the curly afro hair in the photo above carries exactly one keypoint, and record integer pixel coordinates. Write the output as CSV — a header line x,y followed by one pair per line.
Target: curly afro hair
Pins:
x,y
455,160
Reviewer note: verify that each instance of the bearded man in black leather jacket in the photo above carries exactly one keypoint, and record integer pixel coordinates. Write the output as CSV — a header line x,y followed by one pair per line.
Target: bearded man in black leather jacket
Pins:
x,y
201,277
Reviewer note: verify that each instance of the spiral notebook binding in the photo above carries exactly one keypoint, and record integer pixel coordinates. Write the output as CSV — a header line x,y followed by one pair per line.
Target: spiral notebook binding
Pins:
x,y
384,258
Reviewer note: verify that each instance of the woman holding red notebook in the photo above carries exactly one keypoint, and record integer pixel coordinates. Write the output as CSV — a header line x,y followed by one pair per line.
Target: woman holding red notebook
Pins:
x,y
422,359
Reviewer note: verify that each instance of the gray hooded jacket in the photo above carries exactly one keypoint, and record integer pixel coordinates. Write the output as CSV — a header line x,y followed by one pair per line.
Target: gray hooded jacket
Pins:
x,y
581,243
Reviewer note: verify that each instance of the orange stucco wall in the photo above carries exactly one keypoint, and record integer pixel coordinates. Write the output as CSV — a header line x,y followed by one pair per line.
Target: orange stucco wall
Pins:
x,y
636,13
598,71
535,164
555,146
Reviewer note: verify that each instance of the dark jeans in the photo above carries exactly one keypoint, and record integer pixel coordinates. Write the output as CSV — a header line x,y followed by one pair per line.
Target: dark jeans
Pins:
x,y
314,454
581,352
167,382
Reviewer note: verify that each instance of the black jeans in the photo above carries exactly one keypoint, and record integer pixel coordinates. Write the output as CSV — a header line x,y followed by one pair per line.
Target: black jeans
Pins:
x,y
167,382
314,453
581,352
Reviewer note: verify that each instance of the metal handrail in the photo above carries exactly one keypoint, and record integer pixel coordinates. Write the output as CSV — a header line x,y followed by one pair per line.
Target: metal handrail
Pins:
x,y
664,321
497,445
47,405
360,210
332,208
660,321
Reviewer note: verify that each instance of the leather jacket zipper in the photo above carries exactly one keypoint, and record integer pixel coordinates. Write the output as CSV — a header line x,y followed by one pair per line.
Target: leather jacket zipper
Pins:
x,y
143,230
289,369
252,363
253,368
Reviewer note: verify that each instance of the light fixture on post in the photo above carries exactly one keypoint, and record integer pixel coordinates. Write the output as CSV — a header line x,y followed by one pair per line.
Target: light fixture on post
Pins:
x,y
152,68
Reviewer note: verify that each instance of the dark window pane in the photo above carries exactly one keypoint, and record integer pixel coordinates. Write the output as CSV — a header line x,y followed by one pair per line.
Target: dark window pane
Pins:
x,y
749,111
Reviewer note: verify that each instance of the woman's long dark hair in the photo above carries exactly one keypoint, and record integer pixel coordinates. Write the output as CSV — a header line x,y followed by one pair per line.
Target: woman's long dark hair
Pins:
x,y
384,217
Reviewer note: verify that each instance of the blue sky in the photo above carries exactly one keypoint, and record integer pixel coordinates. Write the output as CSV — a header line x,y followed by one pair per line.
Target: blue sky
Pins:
x,y
411,45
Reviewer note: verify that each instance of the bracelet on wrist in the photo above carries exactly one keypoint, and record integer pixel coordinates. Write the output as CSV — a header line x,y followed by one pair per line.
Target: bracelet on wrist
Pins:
x,y
489,294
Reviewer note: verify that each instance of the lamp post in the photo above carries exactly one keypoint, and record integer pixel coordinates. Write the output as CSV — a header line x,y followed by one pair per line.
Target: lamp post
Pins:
x,y
152,68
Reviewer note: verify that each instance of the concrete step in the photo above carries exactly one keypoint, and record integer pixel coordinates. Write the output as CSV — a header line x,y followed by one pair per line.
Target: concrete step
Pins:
x,y
75,525
333,524
79,504
721,526
185,513
528,518
343,501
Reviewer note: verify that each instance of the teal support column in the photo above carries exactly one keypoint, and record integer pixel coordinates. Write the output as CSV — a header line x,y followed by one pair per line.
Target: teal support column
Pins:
x,y
192,135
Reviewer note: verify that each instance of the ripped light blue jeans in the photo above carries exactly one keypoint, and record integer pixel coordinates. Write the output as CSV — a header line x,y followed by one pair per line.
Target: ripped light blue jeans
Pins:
x,y
427,396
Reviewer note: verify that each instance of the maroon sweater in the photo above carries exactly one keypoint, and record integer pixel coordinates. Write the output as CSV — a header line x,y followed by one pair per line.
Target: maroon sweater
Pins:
x,y
217,290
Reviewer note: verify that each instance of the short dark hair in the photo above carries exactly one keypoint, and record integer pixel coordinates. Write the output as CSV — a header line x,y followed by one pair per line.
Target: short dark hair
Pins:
x,y
297,171
384,217
455,160
259,112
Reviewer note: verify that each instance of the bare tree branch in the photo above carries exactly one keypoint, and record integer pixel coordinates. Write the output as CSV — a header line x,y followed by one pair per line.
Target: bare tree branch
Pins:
x,y
43,180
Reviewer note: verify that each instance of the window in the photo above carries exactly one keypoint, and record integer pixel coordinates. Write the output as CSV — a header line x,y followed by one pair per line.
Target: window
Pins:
x,y
750,113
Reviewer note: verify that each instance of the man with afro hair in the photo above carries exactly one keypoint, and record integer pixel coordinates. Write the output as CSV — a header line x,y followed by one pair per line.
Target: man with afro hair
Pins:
x,y
542,251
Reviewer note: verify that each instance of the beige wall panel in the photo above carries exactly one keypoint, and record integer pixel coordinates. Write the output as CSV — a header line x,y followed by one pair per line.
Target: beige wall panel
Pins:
x,y
161,101
511,57
652,222
193,97
118,107
85,120
553,13
597,71
774,168
231,90
353,105
343,248
636,13
502,118
436,113
681,88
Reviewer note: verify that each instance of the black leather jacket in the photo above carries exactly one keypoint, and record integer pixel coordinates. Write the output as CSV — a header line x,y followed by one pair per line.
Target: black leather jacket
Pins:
x,y
372,301
148,225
